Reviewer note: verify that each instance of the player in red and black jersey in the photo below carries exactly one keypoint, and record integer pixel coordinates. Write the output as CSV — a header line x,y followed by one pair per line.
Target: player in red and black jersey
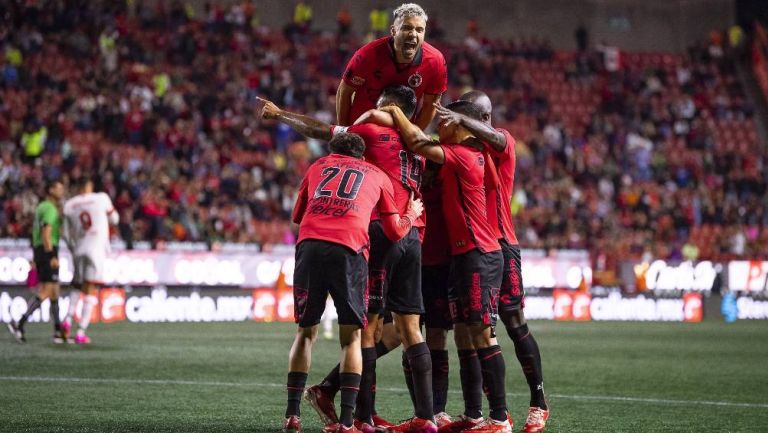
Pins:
x,y
501,147
400,59
333,209
477,260
394,267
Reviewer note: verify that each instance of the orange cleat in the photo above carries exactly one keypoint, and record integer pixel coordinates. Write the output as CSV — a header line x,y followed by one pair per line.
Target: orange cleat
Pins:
x,y
380,424
413,425
292,424
322,403
491,425
442,419
461,423
537,419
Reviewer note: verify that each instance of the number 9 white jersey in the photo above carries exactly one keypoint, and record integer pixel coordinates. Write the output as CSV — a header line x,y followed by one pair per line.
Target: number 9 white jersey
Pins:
x,y
86,223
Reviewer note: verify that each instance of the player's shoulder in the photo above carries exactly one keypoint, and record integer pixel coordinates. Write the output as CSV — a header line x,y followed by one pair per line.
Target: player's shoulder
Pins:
x,y
431,52
375,46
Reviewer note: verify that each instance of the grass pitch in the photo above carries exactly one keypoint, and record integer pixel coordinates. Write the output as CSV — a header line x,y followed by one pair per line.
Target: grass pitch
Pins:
x,y
228,377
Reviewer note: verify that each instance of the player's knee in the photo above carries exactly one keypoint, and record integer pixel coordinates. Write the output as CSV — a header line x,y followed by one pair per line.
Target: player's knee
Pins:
x,y
437,338
306,336
513,318
481,336
463,338
349,335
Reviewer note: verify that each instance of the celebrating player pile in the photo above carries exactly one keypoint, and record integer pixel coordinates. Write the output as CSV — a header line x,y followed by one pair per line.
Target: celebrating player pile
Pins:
x,y
360,239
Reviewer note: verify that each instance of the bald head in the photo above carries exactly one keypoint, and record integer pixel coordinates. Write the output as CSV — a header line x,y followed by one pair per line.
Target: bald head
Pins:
x,y
481,100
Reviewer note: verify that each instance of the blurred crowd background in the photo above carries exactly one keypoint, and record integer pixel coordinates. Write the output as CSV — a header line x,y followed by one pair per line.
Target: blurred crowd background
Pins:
x,y
628,155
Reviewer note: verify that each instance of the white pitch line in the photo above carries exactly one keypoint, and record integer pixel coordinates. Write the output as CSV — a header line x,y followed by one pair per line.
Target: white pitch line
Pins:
x,y
277,385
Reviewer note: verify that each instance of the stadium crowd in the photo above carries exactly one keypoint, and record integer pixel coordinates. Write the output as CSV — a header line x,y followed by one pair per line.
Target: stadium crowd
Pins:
x,y
627,156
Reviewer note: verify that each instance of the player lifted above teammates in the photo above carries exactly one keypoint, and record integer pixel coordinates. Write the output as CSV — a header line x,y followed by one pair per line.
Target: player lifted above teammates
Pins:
x,y
87,217
333,210
394,268
400,59
45,244
477,260
501,147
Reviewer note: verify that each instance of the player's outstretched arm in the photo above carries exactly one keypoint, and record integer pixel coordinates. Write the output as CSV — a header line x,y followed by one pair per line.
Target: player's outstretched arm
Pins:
x,y
304,125
344,103
480,130
415,139
396,226
377,117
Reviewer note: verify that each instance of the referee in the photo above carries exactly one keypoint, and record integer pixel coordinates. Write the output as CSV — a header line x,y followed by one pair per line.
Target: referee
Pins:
x,y
45,243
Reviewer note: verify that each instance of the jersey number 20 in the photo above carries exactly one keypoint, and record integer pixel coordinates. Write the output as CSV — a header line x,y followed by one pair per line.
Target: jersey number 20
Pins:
x,y
344,190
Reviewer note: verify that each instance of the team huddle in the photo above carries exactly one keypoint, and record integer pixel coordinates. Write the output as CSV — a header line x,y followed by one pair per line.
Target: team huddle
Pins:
x,y
392,218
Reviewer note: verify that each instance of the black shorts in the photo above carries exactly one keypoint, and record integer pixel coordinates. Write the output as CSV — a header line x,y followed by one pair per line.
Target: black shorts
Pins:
x,y
325,267
474,287
45,272
512,294
434,286
394,273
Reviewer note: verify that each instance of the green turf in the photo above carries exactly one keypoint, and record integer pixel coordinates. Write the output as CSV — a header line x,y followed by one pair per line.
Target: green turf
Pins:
x,y
228,378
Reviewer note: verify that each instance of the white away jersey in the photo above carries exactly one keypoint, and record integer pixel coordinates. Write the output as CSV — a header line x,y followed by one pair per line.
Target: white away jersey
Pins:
x,y
86,223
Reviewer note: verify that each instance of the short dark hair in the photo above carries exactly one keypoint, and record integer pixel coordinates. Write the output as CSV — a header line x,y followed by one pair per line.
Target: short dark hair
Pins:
x,y
49,185
347,144
82,181
402,96
469,109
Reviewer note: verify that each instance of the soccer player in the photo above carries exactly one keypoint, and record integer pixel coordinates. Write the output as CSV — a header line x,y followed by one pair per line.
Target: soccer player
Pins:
x,y
501,146
476,261
45,244
394,268
333,210
87,217
403,58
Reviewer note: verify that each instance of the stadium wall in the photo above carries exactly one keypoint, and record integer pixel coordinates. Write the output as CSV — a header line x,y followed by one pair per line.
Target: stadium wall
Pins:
x,y
650,25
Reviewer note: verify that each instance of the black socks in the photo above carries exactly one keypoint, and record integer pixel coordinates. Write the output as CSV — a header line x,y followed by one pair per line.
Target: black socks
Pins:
x,y
493,368
471,382
364,408
439,380
350,386
421,372
295,386
527,351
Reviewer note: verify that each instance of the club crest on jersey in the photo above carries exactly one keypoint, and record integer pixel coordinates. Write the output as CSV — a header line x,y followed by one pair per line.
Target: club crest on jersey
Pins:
x,y
415,80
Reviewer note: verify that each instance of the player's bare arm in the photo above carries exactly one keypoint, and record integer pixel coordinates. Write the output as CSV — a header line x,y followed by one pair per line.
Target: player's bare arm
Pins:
x,y
376,117
428,111
415,139
396,226
344,103
304,125
477,128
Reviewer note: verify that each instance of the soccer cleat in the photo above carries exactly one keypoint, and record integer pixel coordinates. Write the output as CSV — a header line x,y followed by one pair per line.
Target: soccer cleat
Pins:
x,y
17,331
292,424
460,424
66,329
537,419
322,403
59,338
413,425
364,427
491,425
82,339
442,419
342,429
380,423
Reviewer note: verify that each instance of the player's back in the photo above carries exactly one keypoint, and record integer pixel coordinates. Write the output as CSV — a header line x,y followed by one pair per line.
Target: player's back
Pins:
x,y
384,149
87,218
464,200
336,199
